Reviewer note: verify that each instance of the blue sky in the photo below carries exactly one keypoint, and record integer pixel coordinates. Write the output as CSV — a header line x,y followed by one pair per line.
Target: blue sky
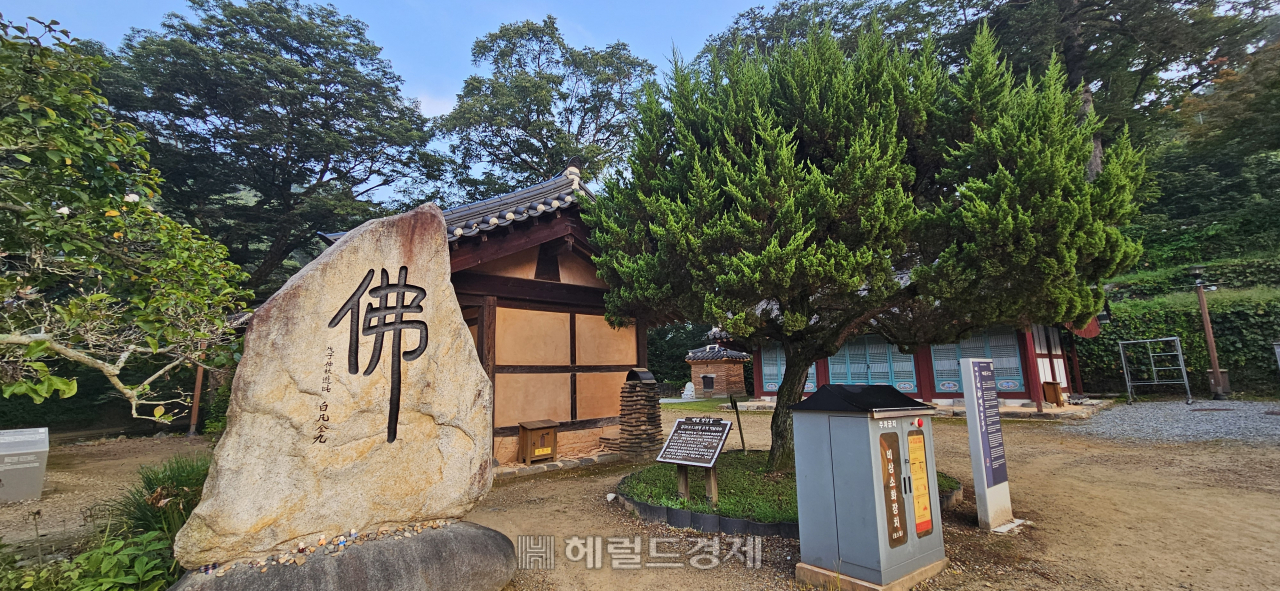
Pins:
x,y
429,43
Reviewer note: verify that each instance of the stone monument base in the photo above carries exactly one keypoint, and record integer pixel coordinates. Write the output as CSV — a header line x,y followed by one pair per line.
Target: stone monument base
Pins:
x,y
825,579
462,556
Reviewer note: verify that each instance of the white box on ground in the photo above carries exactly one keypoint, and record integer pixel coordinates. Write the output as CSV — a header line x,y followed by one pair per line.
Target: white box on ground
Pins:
x,y
986,443
23,453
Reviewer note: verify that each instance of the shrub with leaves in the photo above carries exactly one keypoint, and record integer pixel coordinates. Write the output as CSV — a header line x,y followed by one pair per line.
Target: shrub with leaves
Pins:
x,y
89,272
165,497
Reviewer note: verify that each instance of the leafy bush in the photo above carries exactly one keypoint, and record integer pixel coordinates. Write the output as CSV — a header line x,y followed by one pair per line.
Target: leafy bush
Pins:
x,y
165,497
1245,324
1239,233
1231,273
141,563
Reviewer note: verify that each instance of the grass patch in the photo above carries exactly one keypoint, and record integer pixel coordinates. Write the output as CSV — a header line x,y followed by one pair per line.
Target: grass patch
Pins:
x,y
747,490
703,405
947,484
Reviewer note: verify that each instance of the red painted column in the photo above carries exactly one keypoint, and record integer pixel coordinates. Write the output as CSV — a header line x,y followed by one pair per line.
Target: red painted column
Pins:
x,y
757,372
1031,369
924,373
824,373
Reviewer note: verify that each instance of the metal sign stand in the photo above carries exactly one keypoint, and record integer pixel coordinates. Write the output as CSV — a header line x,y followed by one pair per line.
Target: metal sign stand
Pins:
x,y
1152,355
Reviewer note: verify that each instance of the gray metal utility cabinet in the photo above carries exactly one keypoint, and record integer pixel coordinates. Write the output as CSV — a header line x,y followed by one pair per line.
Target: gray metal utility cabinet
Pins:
x,y
23,453
866,487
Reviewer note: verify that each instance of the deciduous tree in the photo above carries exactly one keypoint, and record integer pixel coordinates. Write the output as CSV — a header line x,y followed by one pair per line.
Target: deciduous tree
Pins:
x,y
89,273
272,119
543,103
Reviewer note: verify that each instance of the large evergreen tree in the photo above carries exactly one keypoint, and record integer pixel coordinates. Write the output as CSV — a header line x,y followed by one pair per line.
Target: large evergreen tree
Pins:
x,y
811,195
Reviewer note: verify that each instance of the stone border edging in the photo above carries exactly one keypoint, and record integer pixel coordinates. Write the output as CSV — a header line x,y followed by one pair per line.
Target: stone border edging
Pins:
x,y
949,500
503,473
707,523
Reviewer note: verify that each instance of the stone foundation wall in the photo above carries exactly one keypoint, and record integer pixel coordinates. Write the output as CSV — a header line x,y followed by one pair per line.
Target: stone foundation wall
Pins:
x,y
569,443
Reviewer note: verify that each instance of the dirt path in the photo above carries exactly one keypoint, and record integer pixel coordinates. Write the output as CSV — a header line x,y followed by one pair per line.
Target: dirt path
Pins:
x,y
1106,515
80,476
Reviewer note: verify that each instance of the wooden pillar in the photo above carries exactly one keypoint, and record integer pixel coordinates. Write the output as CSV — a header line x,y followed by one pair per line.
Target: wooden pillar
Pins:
x,y
487,333
1031,369
573,360
195,404
757,373
924,373
682,480
823,372
713,487
642,344
1075,364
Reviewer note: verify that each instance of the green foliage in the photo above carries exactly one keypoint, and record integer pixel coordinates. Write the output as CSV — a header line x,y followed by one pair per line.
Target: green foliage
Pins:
x,y
747,489
216,415
791,196
142,563
1136,55
668,346
165,496
1231,274
947,484
1245,324
272,120
92,273
543,103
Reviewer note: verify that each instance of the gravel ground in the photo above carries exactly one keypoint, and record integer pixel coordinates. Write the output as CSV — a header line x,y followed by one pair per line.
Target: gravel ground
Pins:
x,y
1178,421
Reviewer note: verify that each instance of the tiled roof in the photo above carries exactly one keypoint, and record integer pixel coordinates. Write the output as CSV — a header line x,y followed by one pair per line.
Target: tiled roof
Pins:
x,y
715,353
557,194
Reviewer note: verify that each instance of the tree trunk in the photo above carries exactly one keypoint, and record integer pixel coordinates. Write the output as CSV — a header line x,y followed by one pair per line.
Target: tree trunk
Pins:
x,y
782,453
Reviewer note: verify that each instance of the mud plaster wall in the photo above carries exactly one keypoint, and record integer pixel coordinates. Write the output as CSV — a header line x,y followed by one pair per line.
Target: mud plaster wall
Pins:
x,y
599,344
521,264
575,270
530,337
530,397
600,394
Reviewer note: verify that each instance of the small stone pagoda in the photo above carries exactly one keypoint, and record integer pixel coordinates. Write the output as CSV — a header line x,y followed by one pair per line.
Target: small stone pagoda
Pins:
x,y
716,372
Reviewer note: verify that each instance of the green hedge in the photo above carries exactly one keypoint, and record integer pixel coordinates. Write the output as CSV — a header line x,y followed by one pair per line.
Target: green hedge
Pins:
x,y
1245,324
1235,274
1248,231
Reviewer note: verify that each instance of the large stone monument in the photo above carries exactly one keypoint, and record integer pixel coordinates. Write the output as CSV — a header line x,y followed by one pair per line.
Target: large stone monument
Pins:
x,y
359,403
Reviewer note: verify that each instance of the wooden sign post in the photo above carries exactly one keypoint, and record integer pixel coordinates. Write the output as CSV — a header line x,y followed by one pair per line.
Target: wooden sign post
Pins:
x,y
696,441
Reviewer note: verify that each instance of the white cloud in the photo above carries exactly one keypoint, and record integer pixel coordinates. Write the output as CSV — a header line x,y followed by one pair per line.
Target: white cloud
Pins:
x,y
432,105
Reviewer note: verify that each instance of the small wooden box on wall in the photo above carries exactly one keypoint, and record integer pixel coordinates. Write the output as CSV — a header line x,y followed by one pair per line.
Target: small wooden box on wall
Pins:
x,y
537,441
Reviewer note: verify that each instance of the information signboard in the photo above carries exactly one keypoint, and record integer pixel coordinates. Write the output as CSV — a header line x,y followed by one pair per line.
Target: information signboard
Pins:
x,y
992,440
23,453
695,441
986,443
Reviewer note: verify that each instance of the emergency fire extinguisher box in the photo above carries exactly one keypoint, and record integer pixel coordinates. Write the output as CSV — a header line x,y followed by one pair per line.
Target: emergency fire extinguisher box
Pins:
x,y
867,489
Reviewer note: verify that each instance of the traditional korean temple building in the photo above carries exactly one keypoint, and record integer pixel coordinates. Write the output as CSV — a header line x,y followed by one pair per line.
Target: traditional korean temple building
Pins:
x,y
522,271
1023,361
